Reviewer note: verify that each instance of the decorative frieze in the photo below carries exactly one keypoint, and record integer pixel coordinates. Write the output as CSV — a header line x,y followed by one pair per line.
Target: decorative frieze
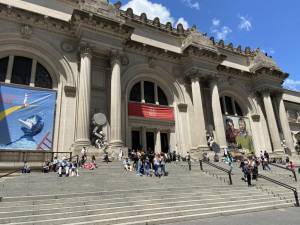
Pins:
x,y
30,19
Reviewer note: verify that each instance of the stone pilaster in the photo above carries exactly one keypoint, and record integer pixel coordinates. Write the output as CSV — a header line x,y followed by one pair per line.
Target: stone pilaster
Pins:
x,y
199,122
115,104
273,129
82,136
285,124
217,114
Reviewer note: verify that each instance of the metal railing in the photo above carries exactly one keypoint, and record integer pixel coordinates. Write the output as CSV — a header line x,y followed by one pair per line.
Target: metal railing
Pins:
x,y
282,185
217,167
284,168
51,164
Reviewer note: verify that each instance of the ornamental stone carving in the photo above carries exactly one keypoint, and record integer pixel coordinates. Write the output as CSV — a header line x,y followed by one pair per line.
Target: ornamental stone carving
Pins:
x,y
263,61
26,31
198,40
116,55
70,91
67,46
85,50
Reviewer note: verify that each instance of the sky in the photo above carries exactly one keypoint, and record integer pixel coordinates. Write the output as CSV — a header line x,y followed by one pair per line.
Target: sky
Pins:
x,y
271,25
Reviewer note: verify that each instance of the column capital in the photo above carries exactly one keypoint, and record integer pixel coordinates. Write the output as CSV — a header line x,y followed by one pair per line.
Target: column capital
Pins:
x,y
267,90
199,73
117,56
213,80
86,50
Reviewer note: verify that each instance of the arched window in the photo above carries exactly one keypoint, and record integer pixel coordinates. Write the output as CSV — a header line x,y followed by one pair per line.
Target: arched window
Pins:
x,y
21,70
162,99
135,94
148,92
3,68
230,107
42,77
25,71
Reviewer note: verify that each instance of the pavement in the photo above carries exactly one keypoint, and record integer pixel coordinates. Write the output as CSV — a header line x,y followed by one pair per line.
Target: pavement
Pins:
x,y
287,216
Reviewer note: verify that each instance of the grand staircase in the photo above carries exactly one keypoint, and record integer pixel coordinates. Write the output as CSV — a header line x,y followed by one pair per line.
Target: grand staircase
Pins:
x,y
109,195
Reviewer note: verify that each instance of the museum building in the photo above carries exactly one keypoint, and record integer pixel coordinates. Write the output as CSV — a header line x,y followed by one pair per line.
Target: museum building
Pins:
x,y
161,88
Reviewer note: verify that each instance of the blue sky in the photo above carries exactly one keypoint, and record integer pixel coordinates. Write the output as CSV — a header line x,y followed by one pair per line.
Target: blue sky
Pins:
x,y
271,25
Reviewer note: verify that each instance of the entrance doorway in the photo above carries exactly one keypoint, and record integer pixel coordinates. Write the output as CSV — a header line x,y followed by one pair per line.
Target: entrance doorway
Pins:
x,y
150,142
164,142
136,139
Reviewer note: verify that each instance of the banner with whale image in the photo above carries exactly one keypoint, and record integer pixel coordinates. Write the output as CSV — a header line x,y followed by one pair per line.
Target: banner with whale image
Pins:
x,y
26,118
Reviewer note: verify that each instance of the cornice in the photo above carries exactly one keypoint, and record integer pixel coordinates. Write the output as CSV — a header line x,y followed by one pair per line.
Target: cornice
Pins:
x,y
151,51
271,72
233,71
33,19
204,53
99,23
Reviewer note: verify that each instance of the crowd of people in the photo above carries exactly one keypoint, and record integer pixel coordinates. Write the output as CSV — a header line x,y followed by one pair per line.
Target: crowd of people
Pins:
x,y
148,163
64,166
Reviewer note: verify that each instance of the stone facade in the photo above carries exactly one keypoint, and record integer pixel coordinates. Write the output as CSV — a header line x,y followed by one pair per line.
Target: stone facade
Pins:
x,y
96,53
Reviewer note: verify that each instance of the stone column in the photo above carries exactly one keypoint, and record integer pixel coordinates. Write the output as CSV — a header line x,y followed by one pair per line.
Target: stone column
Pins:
x,y
115,103
83,98
217,115
199,122
285,124
273,129
144,138
157,142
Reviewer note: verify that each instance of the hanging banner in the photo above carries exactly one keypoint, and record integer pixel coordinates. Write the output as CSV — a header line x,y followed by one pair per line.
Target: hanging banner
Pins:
x,y
238,133
26,118
150,111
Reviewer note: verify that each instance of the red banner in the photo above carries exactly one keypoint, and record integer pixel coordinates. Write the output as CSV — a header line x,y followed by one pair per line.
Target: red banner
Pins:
x,y
150,111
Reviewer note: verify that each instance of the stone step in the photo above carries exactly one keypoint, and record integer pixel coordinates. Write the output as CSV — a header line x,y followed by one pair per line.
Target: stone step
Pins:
x,y
86,203
158,190
158,213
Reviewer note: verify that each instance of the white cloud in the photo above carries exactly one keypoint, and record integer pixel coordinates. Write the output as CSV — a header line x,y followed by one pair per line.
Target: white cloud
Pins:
x,y
151,9
191,4
292,84
272,51
220,32
154,10
245,24
183,22
216,22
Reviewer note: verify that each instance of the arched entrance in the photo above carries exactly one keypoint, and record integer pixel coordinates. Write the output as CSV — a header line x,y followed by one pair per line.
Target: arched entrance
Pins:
x,y
151,118
27,106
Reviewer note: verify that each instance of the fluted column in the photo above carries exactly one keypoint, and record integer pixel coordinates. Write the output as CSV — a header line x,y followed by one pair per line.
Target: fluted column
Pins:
x,y
217,114
285,124
199,125
115,103
83,98
273,129
157,142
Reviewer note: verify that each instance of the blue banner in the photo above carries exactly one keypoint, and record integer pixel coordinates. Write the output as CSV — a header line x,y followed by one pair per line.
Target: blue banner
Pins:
x,y
26,118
